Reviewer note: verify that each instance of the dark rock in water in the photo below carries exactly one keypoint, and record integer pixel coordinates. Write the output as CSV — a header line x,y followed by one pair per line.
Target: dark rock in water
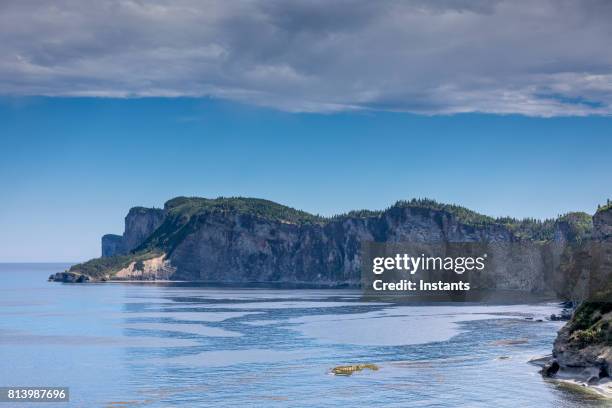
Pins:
x,y
69,277
82,278
564,316
550,369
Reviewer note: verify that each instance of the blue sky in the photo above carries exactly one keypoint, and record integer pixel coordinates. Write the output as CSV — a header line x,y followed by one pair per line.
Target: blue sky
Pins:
x,y
70,168
324,106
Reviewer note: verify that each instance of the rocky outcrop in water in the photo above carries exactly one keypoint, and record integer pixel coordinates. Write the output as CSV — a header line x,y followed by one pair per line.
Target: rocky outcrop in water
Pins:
x,y
69,277
351,369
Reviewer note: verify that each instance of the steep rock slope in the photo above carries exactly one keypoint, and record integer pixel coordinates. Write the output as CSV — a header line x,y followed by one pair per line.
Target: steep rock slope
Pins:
x,y
140,223
583,348
254,240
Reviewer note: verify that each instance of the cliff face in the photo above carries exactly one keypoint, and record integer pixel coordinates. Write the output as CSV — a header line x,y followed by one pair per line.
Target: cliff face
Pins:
x,y
242,247
583,348
252,240
112,245
602,223
139,225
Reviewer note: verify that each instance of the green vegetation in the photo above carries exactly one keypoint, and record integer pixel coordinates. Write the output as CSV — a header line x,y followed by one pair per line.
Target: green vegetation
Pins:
x,y
101,267
358,214
527,228
590,336
579,225
190,206
176,226
463,214
184,214
181,210
605,207
589,325
142,210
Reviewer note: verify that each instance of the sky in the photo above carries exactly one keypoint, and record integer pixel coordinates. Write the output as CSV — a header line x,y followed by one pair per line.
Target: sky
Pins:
x,y
534,57
70,168
500,106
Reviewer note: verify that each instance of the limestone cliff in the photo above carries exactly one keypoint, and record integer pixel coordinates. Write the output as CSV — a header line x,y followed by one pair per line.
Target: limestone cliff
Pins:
x,y
252,240
140,223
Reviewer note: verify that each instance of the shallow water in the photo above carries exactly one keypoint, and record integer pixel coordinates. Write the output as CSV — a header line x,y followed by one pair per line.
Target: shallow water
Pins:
x,y
157,345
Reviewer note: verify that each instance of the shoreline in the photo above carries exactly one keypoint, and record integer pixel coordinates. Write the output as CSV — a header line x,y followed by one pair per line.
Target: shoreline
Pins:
x,y
573,378
603,390
71,277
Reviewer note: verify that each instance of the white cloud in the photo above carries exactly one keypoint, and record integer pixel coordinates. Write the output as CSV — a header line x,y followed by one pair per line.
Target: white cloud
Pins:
x,y
539,58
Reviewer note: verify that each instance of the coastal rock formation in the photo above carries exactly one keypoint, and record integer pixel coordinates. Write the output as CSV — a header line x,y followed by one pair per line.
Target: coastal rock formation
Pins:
x,y
239,240
158,268
112,244
602,222
139,225
69,277
583,349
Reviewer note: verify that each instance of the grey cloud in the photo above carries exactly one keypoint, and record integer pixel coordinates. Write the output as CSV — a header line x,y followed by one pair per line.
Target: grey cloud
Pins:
x,y
537,58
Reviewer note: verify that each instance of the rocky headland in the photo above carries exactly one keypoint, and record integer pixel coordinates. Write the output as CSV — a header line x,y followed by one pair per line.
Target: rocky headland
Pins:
x,y
582,352
244,240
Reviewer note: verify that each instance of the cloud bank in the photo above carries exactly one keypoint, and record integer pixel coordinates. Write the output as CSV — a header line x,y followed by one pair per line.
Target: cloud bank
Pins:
x,y
537,58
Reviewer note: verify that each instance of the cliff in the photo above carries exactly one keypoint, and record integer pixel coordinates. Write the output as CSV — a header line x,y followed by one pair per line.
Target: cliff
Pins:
x,y
582,351
140,223
252,240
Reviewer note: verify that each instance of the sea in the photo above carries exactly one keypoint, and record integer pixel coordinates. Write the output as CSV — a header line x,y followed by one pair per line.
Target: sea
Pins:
x,y
195,345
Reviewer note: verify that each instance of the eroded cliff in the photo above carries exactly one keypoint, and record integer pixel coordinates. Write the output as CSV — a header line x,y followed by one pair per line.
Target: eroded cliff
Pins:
x,y
251,240
140,223
583,349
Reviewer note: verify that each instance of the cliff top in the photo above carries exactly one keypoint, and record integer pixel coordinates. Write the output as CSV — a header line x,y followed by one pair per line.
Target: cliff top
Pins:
x,y
143,210
606,207
580,223
529,228
189,206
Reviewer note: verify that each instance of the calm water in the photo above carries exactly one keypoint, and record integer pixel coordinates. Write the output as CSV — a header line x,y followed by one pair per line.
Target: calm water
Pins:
x,y
118,345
